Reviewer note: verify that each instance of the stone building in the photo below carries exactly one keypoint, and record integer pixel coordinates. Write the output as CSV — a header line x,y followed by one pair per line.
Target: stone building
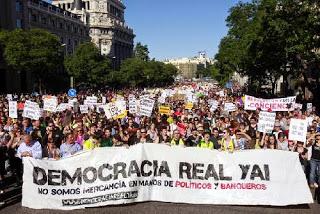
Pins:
x,y
188,67
106,22
28,14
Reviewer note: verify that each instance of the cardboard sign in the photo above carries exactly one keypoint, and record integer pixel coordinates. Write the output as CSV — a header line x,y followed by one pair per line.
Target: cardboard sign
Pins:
x,y
31,110
298,130
50,103
84,109
266,122
62,107
230,107
165,110
133,105
146,107
13,109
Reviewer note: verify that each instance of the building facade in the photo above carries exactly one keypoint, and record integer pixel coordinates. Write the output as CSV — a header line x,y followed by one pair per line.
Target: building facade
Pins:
x,y
106,22
28,14
188,67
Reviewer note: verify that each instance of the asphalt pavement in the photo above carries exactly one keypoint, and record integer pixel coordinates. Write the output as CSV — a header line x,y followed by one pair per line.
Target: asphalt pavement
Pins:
x,y
168,208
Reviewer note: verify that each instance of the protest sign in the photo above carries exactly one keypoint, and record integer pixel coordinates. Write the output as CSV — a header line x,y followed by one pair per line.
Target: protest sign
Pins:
x,y
141,173
84,109
104,100
146,107
230,107
9,97
31,110
116,109
266,121
164,110
91,101
50,103
309,107
297,106
298,130
213,105
13,109
189,106
133,107
280,104
62,107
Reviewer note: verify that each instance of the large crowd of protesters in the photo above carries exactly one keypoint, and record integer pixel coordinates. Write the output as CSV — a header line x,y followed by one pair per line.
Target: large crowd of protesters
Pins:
x,y
63,134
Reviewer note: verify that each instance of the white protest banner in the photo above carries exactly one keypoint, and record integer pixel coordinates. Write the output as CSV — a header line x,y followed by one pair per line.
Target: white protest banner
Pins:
x,y
185,175
62,106
31,110
13,109
230,107
50,103
146,107
133,106
266,121
298,130
221,93
84,109
280,104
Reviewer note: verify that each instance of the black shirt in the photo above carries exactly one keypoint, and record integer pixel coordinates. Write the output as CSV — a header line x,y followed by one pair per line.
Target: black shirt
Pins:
x,y
315,152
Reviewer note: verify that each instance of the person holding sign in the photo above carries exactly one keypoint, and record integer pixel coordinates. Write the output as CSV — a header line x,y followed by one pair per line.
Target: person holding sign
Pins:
x,y
314,142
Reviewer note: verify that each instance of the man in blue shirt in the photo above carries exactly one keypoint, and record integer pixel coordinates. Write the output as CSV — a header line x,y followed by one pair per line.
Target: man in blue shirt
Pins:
x,y
29,148
69,147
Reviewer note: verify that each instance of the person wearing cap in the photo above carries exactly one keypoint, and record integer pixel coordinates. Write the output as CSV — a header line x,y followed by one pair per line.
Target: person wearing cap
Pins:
x,y
205,142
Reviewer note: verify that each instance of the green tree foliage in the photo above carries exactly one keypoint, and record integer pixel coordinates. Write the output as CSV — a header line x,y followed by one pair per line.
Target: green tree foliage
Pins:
x,y
135,72
141,52
36,51
272,38
87,65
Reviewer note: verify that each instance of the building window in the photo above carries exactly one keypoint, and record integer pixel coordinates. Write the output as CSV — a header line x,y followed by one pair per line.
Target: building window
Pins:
x,y
19,23
43,20
61,25
18,6
88,5
34,17
68,5
53,23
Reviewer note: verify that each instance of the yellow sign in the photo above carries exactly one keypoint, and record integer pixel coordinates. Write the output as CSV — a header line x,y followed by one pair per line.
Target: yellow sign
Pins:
x,y
164,110
189,106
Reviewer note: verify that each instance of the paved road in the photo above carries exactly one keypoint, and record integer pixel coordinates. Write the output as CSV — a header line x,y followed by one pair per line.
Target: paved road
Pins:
x,y
168,208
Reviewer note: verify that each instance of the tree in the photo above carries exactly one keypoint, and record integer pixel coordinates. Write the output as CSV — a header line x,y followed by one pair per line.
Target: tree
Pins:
x,y
141,52
36,51
135,72
268,39
87,65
